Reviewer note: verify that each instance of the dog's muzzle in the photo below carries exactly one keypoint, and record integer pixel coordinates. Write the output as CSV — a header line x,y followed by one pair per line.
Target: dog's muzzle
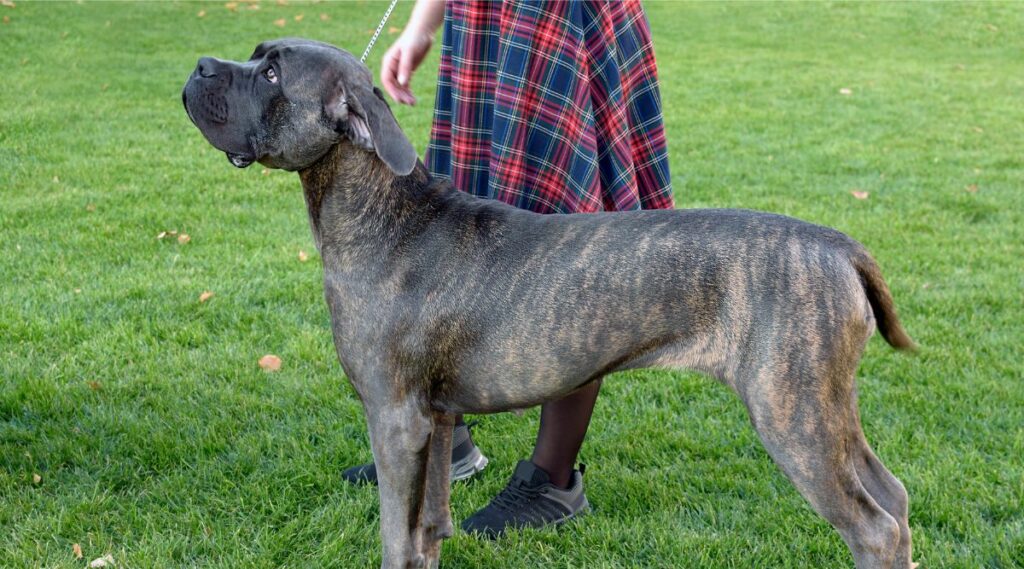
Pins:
x,y
207,106
203,94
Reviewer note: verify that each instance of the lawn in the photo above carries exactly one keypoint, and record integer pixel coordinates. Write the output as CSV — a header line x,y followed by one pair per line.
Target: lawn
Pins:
x,y
135,421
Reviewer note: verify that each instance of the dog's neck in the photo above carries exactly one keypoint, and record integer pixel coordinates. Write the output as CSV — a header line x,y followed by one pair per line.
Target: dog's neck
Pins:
x,y
354,200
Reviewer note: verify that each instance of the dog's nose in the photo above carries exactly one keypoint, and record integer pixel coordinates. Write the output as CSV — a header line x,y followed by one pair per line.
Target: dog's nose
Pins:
x,y
207,67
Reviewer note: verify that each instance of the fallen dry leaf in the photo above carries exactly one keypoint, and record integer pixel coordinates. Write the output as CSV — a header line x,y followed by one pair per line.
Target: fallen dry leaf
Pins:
x,y
266,172
76,550
280,23
254,6
282,2
7,3
90,207
105,86
201,14
105,561
991,27
161,235
270,362
95,385
205,296
233,6
56,180
972,188
78,291
978,129
36,479
7,20
846,91
859,194
63,35
393,30
324,17
303,256
183,239
299,17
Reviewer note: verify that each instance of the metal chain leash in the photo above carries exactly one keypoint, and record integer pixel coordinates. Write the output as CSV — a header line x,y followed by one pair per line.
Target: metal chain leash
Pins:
x,y
373,40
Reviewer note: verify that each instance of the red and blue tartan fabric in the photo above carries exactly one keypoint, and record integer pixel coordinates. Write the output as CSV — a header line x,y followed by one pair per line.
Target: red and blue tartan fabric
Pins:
x,y
551,106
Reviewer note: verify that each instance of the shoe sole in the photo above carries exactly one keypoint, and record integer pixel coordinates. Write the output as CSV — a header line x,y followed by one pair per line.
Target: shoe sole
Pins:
x,y
553,525
583,510
467,467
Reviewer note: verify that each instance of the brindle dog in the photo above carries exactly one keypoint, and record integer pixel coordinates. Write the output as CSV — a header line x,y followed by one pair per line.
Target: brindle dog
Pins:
x,y
443,303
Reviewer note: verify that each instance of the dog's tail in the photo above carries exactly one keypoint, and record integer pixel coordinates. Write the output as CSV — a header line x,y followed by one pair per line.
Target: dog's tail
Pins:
x,y
881,301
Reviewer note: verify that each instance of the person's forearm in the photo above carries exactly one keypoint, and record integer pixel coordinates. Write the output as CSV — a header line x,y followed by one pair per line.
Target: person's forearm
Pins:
x,y
426,17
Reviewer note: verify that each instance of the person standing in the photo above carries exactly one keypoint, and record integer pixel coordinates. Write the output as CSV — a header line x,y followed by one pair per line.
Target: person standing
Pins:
x,y
549,106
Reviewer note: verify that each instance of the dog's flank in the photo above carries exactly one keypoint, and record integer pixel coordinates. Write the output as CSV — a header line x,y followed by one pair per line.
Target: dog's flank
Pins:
x,y
442,303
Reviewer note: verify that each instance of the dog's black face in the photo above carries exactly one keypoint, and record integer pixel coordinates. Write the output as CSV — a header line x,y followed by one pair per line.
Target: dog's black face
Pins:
x,y
291,102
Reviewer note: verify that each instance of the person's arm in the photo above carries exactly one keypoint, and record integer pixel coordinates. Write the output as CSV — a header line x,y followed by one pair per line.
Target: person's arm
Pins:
x,y
408,51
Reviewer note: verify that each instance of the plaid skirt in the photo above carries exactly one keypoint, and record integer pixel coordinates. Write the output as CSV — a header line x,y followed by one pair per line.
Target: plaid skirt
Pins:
x,y
550,106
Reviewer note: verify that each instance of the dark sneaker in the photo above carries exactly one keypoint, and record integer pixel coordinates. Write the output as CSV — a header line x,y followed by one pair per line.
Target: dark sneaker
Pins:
x,y
529,500
467,460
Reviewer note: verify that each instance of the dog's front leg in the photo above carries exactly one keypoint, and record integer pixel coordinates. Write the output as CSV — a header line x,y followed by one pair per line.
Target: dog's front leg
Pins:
x,y
435,517
400,434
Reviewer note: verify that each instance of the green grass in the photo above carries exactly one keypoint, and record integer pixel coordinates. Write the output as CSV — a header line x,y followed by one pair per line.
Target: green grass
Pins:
x,y
159,440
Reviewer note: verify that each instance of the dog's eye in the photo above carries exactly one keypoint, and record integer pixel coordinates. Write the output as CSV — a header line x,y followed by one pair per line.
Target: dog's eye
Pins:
x,y
270,75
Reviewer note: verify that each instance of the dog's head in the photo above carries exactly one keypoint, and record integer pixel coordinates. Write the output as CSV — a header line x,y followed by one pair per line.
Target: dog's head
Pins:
x,y
290,103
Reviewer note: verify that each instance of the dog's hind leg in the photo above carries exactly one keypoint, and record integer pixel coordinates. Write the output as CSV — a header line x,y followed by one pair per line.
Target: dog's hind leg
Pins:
x,y
817,458
801,404
400,433
435,514
885,488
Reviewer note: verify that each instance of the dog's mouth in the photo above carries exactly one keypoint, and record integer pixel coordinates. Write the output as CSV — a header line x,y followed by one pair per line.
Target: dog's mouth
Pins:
x,y
184,101
239,160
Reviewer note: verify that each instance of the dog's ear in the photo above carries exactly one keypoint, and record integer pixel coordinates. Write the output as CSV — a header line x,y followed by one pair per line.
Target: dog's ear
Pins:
x,y
361,113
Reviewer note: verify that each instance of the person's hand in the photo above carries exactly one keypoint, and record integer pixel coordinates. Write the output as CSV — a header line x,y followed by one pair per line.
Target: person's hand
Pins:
x,y
401,60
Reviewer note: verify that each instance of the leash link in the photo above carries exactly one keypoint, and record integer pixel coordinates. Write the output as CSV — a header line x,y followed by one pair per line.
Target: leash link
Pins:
x,y
376,34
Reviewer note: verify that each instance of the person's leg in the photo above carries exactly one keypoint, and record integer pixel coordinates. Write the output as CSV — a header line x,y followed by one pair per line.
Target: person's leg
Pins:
x,y
545,489
563,426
